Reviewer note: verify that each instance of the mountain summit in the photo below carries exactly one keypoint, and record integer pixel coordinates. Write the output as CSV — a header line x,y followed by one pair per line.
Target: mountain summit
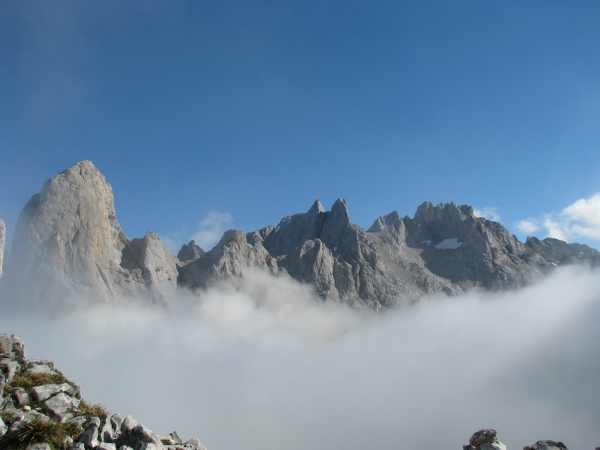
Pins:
x,y
68,245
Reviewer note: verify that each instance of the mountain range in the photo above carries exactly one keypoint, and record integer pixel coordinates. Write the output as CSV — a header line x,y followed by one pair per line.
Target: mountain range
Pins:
x,y
69,246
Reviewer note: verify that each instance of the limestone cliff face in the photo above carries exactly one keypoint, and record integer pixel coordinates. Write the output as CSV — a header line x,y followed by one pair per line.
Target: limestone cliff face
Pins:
x,y
68,244
467,250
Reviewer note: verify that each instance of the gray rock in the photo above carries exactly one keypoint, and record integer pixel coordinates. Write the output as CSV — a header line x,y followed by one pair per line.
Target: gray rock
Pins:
x,y
143,434
485,439
106,446
61,407
14,347
44,392
11,368
3,427
40,367
89,438
547,445
190,252
195,444
20,397
226,261
149,446
482,437
108,434
115,422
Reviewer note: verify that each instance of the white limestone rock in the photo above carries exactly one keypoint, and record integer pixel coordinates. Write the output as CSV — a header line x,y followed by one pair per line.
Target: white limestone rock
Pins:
x,y
61,406
226,261
190,252
68,246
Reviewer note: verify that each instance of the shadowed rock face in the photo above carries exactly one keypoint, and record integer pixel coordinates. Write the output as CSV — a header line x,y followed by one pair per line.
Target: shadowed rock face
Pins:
x,y
68,244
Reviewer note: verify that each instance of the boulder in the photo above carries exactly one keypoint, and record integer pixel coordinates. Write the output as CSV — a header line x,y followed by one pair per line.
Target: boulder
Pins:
x,y
547,445
45,391
61,406
485,439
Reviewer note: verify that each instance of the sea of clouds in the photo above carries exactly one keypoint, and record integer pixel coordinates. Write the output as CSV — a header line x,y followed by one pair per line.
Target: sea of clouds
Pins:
x,y
268,366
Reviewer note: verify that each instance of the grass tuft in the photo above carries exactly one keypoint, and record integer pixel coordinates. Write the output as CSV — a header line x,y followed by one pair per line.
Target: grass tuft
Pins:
x,y
28,380
95,410
40,430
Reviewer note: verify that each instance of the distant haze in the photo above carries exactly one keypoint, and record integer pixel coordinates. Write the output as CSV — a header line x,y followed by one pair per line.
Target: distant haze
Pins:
x,y
268,367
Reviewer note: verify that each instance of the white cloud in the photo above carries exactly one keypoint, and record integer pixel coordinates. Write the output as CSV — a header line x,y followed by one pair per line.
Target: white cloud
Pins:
x,y
579,220
556,228
584,217
212,229
266,366
527,226
490,213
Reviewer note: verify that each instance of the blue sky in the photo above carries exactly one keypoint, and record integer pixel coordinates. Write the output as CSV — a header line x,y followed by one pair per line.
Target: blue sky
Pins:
x,y
233,114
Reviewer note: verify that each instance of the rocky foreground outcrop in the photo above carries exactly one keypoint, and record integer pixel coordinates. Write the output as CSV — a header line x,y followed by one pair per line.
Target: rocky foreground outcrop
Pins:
x,y
40,409
487,440
68,248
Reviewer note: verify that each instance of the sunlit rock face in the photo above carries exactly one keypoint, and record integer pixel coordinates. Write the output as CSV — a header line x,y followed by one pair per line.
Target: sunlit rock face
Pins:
x,y
444,248
68,246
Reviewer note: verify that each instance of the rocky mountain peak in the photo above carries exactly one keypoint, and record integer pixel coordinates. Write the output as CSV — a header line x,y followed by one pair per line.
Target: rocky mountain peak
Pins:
x,y
190,252
316,208
436,223
68,245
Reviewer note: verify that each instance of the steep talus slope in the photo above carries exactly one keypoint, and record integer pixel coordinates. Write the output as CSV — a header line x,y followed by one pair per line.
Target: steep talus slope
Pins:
x,y
68,244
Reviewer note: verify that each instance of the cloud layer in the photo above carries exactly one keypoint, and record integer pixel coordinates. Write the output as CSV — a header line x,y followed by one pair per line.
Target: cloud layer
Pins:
x,y
268,367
